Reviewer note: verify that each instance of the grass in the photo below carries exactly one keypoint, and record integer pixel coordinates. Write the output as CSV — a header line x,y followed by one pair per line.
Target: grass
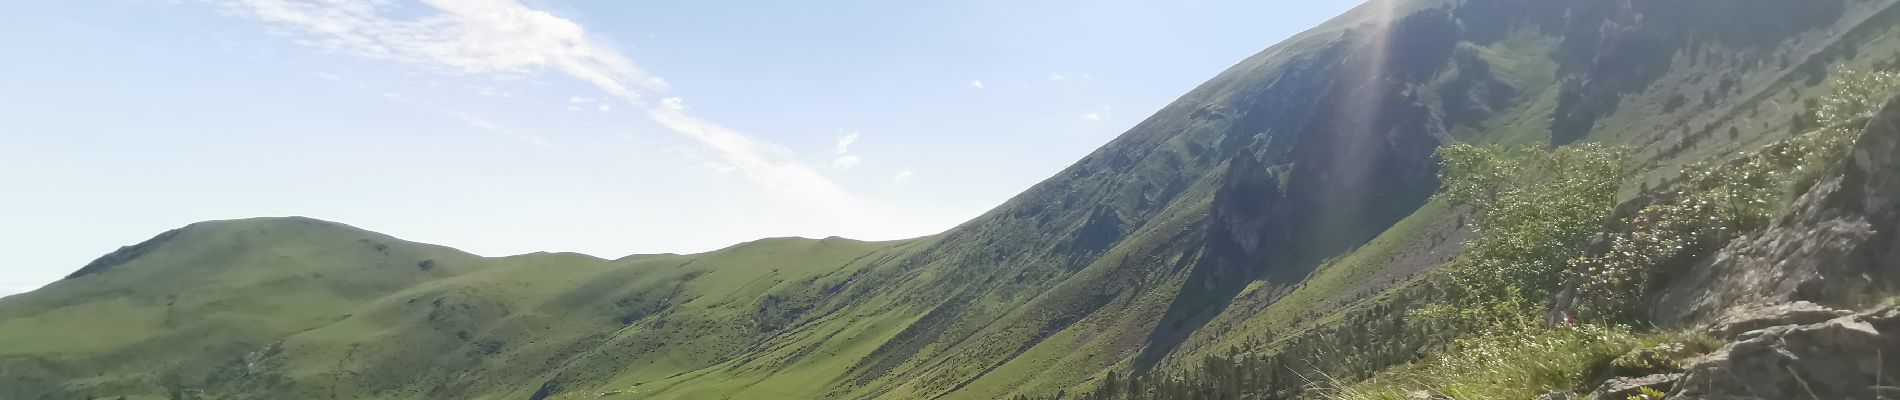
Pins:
x,y
1514,365
351,313
1333,283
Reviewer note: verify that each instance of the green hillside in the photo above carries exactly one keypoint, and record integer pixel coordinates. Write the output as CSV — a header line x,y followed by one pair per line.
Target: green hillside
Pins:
x,y
295,307
1281,208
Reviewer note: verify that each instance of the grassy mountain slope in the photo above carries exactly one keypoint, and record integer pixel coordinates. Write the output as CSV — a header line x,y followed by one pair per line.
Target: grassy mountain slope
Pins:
x,y
1773,54
1276,202
304,308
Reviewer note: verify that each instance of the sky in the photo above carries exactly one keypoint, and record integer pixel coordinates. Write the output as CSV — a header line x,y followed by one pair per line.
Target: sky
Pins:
x,y
602,127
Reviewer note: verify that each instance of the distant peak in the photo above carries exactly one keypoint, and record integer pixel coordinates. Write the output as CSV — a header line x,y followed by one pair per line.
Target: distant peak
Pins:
x,y
128,253
125,254
269,221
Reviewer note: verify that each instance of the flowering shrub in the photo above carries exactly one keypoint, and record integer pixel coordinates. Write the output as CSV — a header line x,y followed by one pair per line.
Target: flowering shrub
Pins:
x,y
1715,203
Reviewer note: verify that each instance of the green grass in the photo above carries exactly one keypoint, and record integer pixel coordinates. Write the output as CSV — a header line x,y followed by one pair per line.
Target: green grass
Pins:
x,y
1516,365
1330,286
332,309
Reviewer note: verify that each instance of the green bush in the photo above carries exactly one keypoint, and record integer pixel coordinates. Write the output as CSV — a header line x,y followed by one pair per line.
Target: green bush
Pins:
x,y
1534,210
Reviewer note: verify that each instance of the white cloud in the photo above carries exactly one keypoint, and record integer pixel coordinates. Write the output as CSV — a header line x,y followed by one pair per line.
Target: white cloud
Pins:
x,y
479,122
844,143
487,91
605,107
579,100
1058,77
765,164
977,84
1092,117
846,162
492,126
329,76
465,37
509,39
903,176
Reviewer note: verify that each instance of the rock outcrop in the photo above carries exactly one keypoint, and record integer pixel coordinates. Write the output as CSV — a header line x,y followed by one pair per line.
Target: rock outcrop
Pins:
x,y
1623,388
1842,358
1837,248
1743,320
1777,296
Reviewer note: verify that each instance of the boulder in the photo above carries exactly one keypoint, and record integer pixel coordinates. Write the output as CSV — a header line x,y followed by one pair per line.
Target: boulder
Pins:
x,y
1623,388
1842,358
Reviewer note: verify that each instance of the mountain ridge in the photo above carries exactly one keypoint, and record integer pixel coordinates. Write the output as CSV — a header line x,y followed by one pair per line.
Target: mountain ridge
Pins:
x,y
1250,212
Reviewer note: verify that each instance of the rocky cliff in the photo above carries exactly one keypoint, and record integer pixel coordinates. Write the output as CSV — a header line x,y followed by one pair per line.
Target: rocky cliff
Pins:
x,y
1783,297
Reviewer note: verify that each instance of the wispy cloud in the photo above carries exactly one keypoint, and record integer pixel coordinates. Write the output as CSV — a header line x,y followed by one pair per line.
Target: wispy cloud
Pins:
x,y
510,39
903,176
1061,76
580,103
844,160
488,91
844,143
398,98
465,37
1092,117
492,126
978,84
760,162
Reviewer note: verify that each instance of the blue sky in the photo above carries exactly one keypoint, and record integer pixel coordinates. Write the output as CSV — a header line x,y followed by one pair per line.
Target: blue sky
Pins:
x,y
603,127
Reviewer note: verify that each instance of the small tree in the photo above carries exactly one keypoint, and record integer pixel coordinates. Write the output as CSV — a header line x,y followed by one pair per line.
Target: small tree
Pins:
x,y
1534,210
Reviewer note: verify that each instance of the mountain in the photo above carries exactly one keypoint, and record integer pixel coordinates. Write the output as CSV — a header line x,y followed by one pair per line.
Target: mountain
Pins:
x,y
291,306
1285,203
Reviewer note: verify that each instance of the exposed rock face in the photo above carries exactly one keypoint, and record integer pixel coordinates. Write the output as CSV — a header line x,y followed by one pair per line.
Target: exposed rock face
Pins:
x,y
1241,230
1774,293
1623,388
1837,248
1743,320
1842,358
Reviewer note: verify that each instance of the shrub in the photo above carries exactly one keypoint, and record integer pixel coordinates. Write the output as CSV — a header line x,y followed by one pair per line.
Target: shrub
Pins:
x,y
1534,210
1717,202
